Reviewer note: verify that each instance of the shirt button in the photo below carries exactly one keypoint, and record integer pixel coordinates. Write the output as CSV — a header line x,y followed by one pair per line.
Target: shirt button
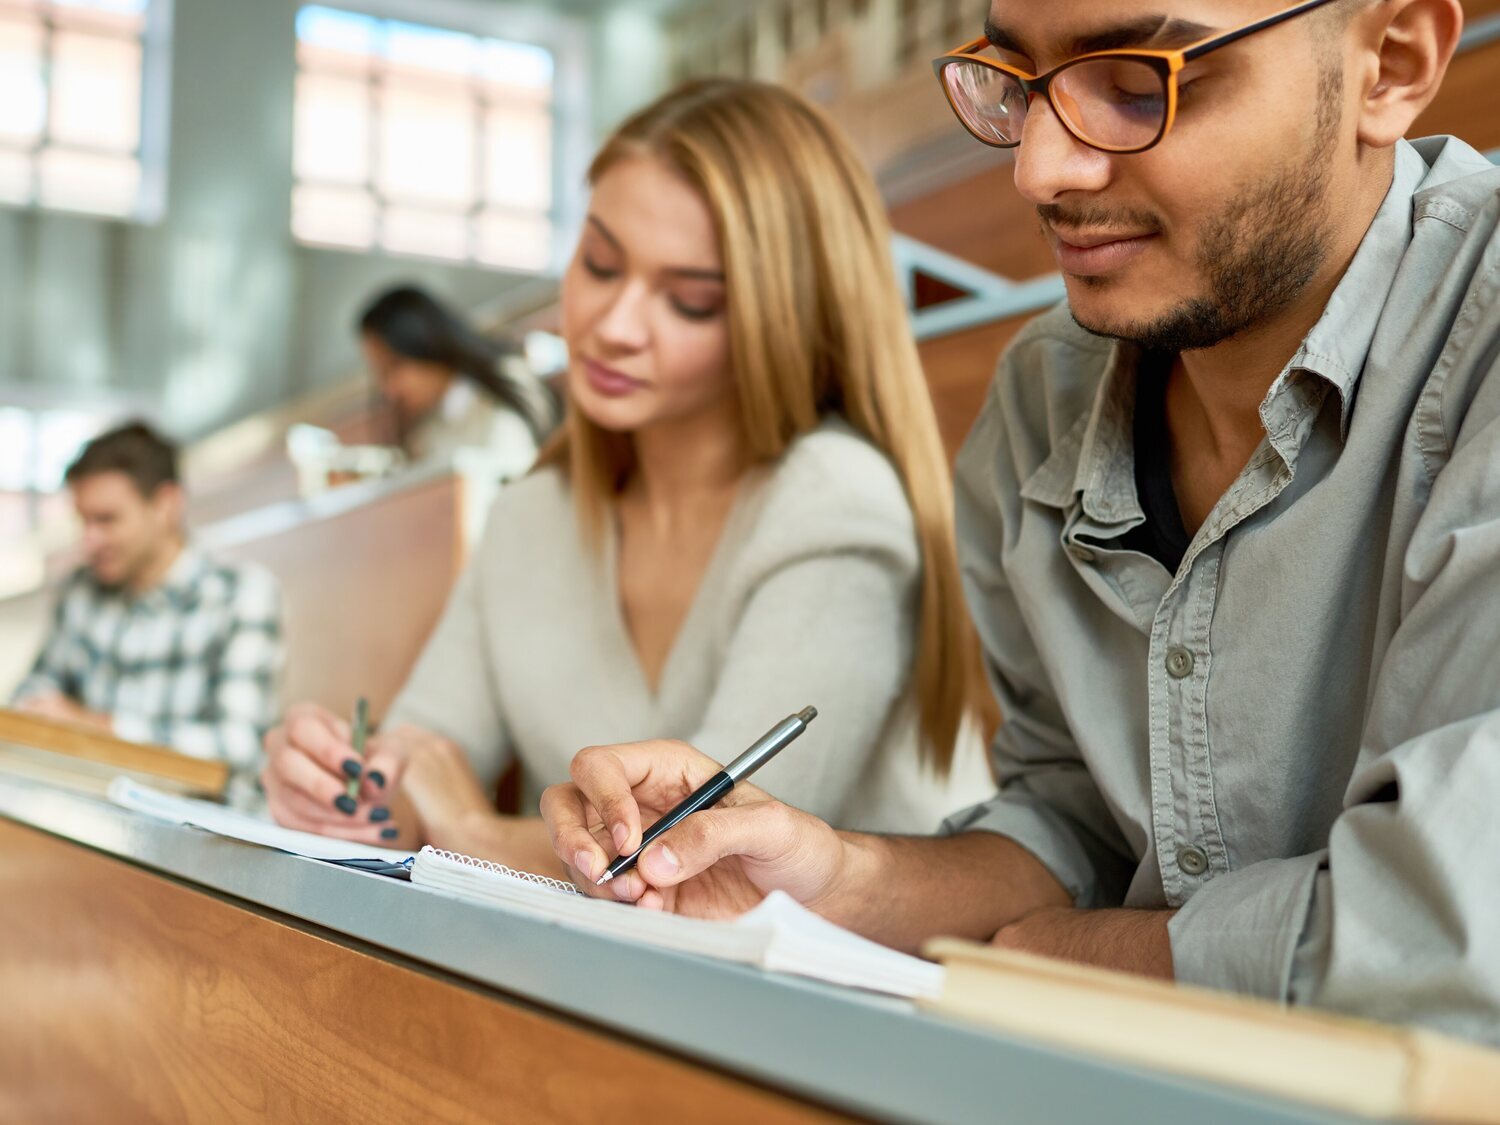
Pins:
x,y
1179,662
1192,860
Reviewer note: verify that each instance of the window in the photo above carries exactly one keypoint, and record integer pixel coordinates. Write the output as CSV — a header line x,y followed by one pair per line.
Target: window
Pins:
x,y
36,447
70,104
423,141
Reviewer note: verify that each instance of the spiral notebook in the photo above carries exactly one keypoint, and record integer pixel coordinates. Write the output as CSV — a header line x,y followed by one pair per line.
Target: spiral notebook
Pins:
x,y
779,935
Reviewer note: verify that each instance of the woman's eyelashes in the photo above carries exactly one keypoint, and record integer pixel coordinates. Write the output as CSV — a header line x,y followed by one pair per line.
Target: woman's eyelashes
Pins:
x,y
698,310
596,269
689,311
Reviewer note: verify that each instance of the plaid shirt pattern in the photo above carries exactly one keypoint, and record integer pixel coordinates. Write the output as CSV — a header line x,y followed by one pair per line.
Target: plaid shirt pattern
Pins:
x,y
193,664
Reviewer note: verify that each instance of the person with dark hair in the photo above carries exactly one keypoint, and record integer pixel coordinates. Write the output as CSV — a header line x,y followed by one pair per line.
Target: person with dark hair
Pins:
x,y
152,641
1229,524
451,387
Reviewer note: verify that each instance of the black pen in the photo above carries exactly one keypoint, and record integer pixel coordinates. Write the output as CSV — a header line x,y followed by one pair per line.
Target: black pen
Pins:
x,y
712,791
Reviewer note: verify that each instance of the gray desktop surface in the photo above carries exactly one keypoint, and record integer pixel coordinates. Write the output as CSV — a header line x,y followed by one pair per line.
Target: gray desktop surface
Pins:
x,y
864,1054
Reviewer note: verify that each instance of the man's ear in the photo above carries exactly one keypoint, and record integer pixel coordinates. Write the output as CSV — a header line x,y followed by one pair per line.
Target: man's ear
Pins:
x,y
1406,47
169,502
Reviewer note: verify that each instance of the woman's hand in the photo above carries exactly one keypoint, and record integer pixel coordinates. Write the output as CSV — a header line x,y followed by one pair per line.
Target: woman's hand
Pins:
x,y
433,788
717,863
310,760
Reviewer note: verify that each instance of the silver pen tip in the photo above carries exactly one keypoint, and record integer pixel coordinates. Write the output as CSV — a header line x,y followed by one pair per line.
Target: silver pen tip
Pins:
x,y
606,877
808,714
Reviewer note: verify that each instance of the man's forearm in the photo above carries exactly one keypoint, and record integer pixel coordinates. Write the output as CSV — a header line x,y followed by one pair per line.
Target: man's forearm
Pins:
x,y
1129,941
902,890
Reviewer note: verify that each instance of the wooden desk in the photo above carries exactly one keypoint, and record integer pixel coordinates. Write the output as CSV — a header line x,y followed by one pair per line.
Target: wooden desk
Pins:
x,y
154,972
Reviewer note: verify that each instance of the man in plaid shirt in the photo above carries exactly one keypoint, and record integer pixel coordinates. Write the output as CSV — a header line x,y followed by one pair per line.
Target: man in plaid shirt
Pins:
x,y
153,641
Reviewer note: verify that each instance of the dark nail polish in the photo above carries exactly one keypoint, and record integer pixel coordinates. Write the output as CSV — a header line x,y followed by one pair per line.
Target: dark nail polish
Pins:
x,y
352,768
379,814
389,833
345,804
378,778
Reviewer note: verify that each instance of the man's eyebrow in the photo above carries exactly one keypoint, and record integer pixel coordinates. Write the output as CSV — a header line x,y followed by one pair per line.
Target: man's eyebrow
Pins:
x,y
1002,40
1155,31
689,272
1160,32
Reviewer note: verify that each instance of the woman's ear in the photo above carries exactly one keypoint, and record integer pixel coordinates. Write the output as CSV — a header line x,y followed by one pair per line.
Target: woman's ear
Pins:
x,y
1407,45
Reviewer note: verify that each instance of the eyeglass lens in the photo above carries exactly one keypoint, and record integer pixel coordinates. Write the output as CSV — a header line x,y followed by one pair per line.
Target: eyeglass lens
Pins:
x,y
1113,103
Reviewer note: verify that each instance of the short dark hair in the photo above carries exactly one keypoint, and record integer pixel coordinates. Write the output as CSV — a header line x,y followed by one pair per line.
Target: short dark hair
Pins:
x,y
134,449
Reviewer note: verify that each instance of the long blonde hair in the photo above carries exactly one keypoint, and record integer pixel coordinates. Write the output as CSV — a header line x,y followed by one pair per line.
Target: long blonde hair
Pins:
x,y
817,326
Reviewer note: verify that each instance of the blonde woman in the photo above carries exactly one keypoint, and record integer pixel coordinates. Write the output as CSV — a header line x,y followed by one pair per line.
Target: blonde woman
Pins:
x,y
748,511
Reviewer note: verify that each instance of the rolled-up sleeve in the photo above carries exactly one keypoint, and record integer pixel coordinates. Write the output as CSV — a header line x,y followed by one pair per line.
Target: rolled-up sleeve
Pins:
x,y
1398,918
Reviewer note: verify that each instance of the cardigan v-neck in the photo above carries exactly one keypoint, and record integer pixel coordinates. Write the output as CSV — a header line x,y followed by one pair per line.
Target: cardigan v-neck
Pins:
x,y
708,583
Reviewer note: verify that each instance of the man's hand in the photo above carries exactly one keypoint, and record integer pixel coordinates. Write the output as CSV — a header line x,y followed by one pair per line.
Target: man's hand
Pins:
x,y
55,705
1131,941
717,863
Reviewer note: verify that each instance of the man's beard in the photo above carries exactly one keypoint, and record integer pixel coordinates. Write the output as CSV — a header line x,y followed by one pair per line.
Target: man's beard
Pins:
x,y
1256,256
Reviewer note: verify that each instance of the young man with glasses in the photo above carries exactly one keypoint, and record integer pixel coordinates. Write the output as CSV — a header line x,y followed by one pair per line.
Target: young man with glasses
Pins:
x,y
1230,524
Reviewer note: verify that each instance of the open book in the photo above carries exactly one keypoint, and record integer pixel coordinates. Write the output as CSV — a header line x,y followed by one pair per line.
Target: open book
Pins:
x,y
252,829
778,935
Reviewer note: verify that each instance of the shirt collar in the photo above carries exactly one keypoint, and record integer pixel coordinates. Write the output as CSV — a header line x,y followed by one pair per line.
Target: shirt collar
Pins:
x,y
1095,459
1339,343
180,584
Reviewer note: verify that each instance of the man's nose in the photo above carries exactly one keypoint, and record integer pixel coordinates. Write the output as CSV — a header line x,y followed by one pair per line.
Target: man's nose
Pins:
x,y
1051,161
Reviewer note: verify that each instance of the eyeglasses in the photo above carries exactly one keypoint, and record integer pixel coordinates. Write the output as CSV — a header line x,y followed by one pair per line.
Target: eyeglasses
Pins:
x,y
1116,101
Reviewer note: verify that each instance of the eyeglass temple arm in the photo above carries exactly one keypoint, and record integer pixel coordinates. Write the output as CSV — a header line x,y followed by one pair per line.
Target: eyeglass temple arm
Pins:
x,y
971,48
1235,36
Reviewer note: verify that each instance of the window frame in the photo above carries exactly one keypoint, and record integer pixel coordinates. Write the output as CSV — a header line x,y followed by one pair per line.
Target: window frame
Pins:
x,y
152,144
565,38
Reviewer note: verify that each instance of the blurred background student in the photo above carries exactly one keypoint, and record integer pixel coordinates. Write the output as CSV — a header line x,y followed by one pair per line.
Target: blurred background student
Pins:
x,y
451,388
750,511
152,640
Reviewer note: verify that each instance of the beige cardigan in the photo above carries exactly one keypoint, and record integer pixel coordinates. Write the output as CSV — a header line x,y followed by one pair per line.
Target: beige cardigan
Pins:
x,y
810,598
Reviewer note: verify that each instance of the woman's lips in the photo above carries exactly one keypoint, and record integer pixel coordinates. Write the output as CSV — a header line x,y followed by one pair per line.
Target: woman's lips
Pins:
x,y
609,382
1093,255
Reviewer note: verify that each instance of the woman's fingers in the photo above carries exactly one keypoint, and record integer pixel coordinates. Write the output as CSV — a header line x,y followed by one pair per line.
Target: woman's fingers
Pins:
x,y
384,764
296,810
297,771
323,737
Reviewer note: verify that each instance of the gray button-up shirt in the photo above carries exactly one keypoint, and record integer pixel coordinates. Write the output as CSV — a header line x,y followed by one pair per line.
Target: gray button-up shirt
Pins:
x,y
1295,738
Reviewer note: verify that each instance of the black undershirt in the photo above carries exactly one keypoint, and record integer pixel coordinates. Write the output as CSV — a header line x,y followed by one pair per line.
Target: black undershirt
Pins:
x,y
1163,536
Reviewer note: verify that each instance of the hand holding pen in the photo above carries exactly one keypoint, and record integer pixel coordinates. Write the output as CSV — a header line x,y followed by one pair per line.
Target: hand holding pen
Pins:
x,y
716,788
316,779
714,863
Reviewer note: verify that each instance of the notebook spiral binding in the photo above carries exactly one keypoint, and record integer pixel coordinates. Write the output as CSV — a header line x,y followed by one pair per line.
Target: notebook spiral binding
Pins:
x,y
500,869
